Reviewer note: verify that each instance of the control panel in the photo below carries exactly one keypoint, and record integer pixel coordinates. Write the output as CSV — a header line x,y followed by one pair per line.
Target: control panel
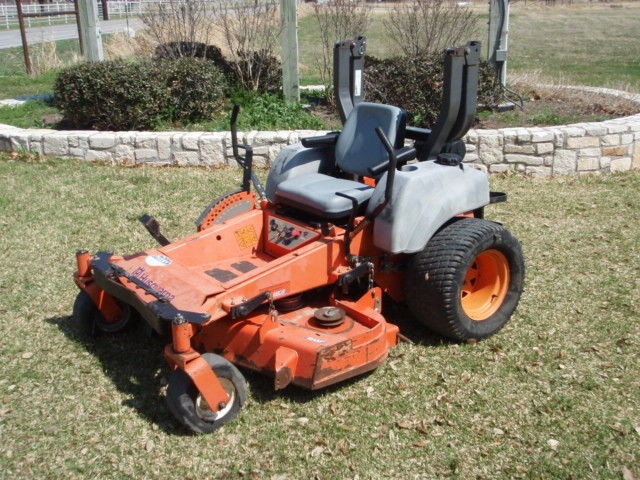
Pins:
x,y
288,235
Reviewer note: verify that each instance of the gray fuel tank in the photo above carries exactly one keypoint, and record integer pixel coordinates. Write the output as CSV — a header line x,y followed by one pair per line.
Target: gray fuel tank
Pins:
x,y
425,196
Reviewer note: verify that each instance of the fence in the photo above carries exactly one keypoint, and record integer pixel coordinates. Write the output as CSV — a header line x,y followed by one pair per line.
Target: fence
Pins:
x,y
116,8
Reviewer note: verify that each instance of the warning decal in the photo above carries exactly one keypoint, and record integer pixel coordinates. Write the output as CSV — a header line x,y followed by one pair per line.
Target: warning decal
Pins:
x,y
246,237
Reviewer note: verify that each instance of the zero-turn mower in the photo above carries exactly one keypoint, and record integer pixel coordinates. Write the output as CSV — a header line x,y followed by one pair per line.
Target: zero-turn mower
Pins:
x,y
288,280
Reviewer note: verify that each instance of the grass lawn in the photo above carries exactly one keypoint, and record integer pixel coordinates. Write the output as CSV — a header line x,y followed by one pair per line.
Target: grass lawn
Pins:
x,y
556,394
14,80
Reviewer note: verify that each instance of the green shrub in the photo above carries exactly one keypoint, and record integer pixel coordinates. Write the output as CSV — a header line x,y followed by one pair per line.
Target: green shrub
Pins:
x,y
271,112
258,71
118,95
177,50
196,89
415,84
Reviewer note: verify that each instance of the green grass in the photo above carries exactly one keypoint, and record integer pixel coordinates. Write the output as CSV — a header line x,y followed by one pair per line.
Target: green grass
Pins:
x,y
566,369
27,115
586,45
14,80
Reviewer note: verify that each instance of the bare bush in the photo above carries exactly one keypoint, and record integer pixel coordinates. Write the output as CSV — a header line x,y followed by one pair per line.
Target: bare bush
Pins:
x,y
124,45
421,27
338,20
250,31
247,32
179,21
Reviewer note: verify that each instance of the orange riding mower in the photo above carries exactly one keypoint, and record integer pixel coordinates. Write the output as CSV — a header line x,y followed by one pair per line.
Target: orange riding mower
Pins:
x,y
288,280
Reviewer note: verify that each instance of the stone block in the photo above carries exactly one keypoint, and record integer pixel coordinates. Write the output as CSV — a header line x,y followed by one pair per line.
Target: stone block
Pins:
x,y
524,135
98,156
187,158
146,155
636,156
544,148
559,137
626,138
613,127
583,142
564,161
592,163
611,140
191,141
76,152
538,136
55,144
211,152
20,141
261,150
573,131
526,149
499,168
620,164
616,151
524,159
145,140
538,171
595,129
124,154
126,138
490,149
102,140
605,163
590,152
164,146
471,158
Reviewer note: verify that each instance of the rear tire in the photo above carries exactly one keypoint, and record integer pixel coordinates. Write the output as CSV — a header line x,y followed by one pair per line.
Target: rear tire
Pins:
x,y
190,408
467,281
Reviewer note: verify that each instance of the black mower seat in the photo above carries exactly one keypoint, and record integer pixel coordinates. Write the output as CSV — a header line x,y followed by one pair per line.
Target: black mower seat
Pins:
x,y
357,150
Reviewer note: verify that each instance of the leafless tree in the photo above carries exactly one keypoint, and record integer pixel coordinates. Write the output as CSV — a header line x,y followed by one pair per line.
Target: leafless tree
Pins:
x,y
250,30
338,20
175,21
428,26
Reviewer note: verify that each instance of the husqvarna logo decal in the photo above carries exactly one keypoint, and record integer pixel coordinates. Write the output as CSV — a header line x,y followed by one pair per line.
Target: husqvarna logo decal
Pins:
x,y
158,261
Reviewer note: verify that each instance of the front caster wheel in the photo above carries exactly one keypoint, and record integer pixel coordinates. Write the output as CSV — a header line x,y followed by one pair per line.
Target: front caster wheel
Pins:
x,y
467,281
86,313
191,409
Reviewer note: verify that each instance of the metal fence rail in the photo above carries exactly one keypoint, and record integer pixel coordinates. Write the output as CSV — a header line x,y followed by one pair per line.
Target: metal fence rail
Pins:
x,y
117,9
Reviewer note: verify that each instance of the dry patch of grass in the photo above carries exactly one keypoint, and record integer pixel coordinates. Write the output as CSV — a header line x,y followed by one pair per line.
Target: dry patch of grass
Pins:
x,y
556,105
554,395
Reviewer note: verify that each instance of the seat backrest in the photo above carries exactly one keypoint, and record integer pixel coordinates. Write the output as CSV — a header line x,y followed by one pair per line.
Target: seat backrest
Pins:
x,y
358,147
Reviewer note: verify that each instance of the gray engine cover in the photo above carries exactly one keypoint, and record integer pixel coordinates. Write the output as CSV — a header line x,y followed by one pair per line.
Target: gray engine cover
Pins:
x,y
425,196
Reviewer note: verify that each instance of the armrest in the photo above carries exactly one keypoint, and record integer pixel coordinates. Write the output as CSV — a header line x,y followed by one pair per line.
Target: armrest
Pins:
x,y
416,133
327,140
403,155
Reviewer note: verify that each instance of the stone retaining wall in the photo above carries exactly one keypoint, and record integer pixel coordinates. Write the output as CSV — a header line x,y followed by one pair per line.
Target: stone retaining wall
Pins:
x,y
609,146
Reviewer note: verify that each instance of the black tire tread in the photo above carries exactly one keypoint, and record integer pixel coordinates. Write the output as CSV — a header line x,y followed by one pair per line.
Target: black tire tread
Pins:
x,y
433,279
181,394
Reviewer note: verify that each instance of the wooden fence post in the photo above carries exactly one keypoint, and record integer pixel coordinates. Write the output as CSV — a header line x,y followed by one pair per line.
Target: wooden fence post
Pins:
x,y
290,76
91,37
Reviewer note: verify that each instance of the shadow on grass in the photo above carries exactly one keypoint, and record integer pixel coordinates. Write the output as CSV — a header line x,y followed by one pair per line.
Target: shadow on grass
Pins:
x,y
135,363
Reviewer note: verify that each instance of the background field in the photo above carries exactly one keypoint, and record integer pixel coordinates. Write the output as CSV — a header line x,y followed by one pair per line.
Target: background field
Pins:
x,y
589,44
556,394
